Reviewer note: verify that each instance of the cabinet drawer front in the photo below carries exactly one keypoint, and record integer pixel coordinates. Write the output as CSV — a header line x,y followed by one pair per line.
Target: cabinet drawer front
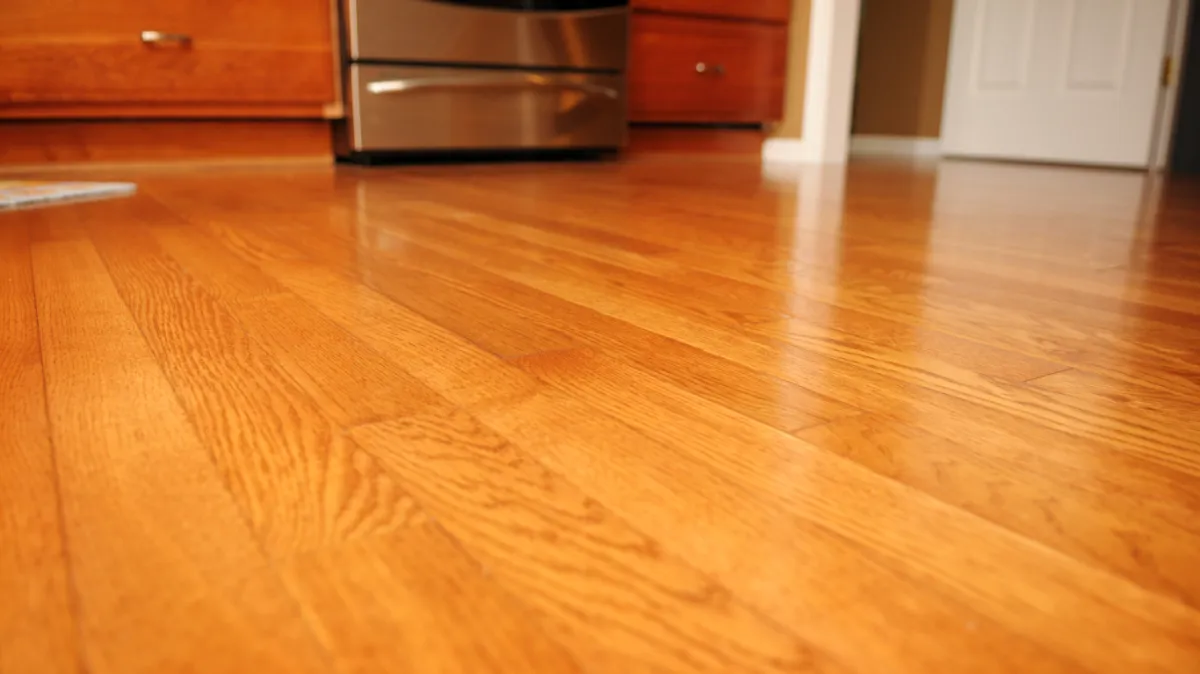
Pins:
x,y
705,70
183,51
776,11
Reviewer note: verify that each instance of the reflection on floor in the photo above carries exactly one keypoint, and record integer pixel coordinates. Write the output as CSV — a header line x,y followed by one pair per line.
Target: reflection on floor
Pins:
x,y
668,414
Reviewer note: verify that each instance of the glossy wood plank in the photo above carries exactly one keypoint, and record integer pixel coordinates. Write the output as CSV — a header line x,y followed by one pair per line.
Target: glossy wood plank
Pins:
x,y
746,542
847,313
456,368
870,389
406,564
876,385
1085,516
865,384
753,455
1104,396
277,446
670,413
415,602
513,306
840,261
756,394
752,302
349,381
154,538
37,628
507,335
607,590
1103,291
736,304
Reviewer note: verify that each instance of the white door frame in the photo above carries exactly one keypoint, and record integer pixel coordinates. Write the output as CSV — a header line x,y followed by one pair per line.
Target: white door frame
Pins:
x,y
829,87
1168,100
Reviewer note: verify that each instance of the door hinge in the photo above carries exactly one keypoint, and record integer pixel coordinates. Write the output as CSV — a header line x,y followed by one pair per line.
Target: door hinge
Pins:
x,y
1168,67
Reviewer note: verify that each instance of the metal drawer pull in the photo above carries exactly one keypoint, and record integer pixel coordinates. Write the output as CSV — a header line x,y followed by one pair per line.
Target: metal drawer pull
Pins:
x,y
159,38
502,81
703,67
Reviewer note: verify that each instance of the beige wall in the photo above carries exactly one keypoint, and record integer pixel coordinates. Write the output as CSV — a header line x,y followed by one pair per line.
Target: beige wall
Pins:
x,y
903,46
797,68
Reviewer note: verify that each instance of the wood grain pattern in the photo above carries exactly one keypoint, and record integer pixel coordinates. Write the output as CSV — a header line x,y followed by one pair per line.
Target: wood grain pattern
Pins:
x,y
745,542
349,381
870,390
714,297
263,426
37,628
1046,505
867,387
753,455
670,413
155,540
416,602
457,368
623,604
742,80
514,306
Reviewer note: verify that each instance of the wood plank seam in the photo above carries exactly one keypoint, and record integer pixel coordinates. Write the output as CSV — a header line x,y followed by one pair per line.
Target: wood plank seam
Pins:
x,y
1048,374
75,606
245,517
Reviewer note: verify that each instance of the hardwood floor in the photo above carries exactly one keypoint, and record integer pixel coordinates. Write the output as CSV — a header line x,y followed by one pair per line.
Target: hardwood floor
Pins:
x,y
668,414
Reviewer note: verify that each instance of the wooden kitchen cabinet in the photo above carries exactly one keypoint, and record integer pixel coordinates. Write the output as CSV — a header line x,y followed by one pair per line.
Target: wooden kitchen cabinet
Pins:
x,y
166,58
699,70
708,61
772,11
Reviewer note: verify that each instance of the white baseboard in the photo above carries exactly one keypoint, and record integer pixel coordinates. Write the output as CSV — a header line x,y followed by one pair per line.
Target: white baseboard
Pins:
x,y
895,146
789,151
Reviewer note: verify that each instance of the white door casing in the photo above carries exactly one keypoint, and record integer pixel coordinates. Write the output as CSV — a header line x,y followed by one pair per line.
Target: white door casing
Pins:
x,y
1071,81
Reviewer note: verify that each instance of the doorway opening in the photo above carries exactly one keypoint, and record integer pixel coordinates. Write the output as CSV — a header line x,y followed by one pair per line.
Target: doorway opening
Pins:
x,y
1065,81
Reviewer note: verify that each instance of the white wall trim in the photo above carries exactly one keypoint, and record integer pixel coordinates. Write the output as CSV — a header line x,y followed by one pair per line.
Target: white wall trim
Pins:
x,y
895,146
829,87
788,150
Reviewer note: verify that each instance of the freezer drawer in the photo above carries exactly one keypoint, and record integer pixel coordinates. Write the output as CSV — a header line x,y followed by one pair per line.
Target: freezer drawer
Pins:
x,y
424,108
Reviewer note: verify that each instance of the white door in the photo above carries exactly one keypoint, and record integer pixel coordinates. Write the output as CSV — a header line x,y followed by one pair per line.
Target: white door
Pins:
x,y
1055,80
